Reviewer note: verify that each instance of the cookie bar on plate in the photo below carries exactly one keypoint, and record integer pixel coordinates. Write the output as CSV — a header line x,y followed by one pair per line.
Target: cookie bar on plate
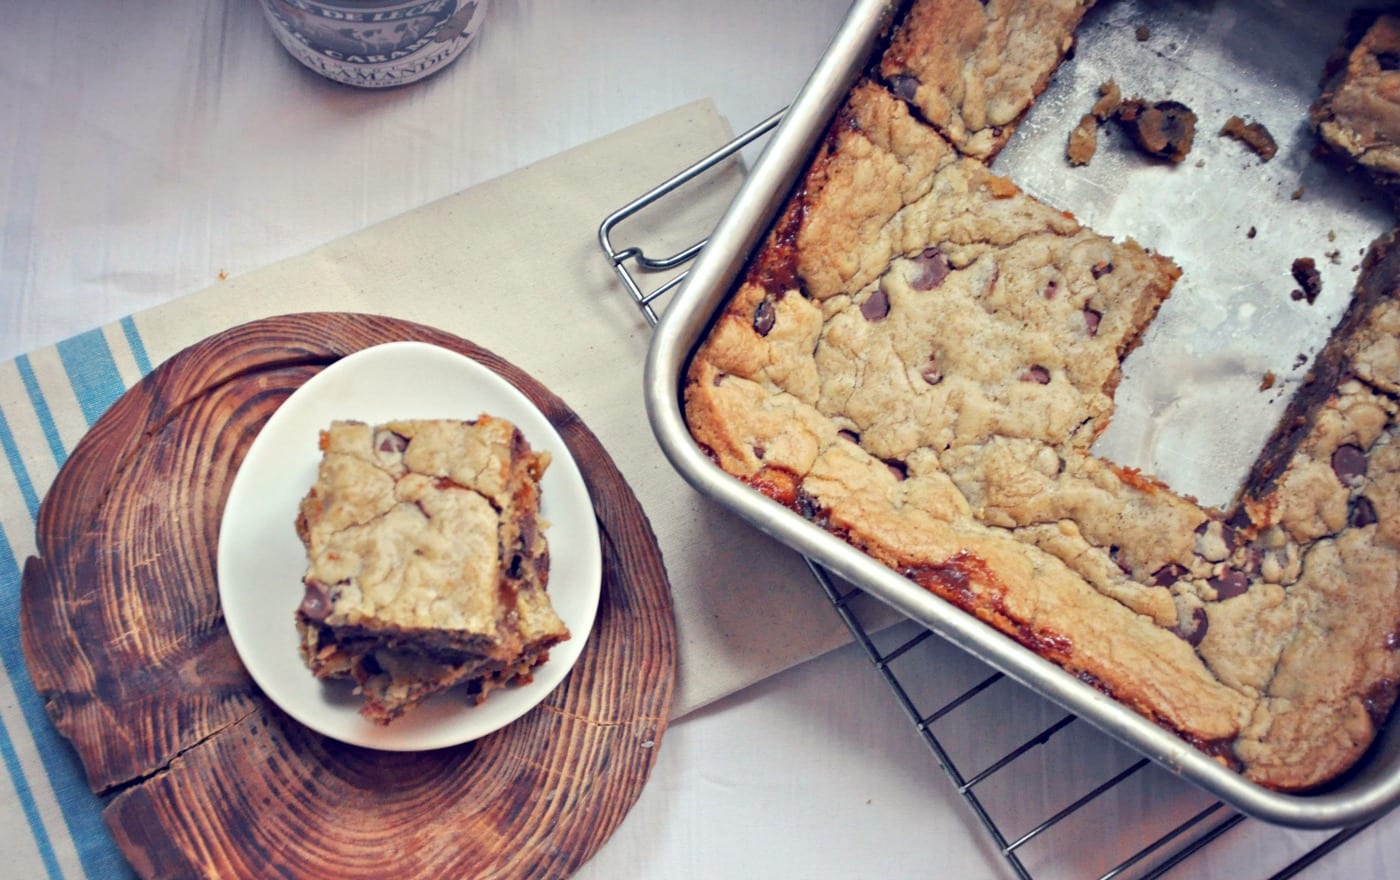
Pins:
x,y
427,561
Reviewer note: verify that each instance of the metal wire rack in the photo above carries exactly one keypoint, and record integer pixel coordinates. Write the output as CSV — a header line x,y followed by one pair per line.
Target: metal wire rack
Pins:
x,y
1162,824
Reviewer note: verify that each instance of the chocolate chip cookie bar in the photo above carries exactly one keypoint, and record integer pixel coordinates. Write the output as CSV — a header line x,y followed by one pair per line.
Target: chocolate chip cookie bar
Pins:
x,y
427,562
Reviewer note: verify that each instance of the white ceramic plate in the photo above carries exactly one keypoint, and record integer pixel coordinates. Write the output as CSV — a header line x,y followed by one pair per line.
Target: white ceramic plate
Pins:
x,y
261,560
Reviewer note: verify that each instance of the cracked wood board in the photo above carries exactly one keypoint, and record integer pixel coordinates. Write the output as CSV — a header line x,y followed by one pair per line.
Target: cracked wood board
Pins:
x,y
203,776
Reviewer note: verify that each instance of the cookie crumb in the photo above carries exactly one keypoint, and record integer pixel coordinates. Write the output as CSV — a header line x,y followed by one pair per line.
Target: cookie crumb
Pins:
x,y
1162,129
1253,135
1110,99
1268,381
1308,278
1084,137
1083,141
1142,33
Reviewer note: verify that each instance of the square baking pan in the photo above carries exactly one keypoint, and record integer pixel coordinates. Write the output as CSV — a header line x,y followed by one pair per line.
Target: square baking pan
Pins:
x,y
1147,209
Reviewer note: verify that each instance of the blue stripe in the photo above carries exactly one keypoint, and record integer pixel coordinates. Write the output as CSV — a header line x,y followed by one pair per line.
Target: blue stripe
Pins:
x,y
136,344
26,801
82,810
96,383
26,485
9,642
92,372
41,409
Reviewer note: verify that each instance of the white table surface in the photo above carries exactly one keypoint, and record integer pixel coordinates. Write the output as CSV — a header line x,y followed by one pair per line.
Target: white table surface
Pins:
x,y
148,148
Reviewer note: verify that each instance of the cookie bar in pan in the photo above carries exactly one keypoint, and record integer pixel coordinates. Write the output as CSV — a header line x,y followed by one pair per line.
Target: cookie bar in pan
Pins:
x,y
915,361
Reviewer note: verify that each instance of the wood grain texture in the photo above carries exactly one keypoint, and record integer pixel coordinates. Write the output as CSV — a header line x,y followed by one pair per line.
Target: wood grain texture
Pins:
x,y
204,776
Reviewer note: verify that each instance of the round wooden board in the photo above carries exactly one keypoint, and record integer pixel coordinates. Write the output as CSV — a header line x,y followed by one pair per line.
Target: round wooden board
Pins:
x,y
205,777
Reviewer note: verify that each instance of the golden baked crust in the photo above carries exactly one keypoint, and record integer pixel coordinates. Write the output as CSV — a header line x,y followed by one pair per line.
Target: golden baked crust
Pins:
x,y
427,564
919,359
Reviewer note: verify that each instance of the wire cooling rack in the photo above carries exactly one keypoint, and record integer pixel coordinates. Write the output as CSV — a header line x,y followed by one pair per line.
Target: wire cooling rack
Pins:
x,y
1130,819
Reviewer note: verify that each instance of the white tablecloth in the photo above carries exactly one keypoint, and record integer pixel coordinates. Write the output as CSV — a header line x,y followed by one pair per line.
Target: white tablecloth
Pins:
x,y
149,150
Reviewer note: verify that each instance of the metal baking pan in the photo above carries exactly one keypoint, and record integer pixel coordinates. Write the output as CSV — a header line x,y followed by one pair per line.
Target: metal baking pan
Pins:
x,y
1234,224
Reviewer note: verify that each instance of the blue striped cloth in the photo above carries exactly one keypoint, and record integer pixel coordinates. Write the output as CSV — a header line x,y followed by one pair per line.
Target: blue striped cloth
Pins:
x,y
52,822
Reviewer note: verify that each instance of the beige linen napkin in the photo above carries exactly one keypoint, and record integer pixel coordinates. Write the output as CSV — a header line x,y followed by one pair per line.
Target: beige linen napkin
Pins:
x,y
514,265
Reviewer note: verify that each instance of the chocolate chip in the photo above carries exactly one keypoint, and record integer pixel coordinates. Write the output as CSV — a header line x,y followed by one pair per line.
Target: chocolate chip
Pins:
x,y
1116,554
848,434
877,306
1215,541
390,442
1229,584
1037,374
1309,280
1091,321
1199,624
904,86
931,372
1363,513
1253,558
1349,463
933,268
807,505
1052,289
1239,521
763,317
370,665
898,468
759,450
1379,699
1098,270
316,604
1168,575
